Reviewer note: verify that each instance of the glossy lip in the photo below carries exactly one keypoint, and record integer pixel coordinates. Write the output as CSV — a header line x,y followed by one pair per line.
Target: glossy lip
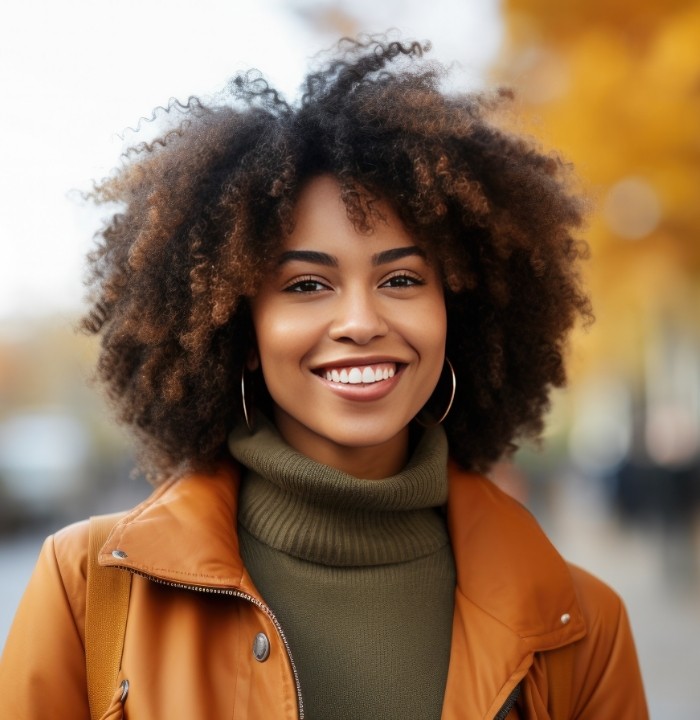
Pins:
x,y
360,391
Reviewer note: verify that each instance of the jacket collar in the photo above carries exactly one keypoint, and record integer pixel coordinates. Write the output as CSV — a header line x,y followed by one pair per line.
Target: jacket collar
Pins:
x,y
507,567
507,570
184,533
515,596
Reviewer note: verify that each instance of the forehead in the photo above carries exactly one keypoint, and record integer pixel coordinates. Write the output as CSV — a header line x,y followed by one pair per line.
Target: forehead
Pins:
x,y
321,223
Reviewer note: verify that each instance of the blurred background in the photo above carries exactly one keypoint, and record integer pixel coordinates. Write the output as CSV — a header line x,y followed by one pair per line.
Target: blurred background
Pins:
x,y
615,86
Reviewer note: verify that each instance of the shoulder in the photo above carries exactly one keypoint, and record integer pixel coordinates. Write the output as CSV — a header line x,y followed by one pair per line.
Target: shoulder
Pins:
x,y
43,661
607,625
604,615
605,676
63,562
601,605
62,565
69,546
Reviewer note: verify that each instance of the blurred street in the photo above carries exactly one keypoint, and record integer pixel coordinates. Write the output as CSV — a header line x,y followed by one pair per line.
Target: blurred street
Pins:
x,y
657,577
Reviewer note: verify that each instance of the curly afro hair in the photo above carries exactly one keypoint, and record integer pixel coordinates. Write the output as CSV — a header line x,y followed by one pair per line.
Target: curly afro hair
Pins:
x,y
203,209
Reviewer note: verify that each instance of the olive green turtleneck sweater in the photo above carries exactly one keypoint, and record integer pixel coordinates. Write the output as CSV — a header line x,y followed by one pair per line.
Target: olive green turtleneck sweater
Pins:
x,y
359,573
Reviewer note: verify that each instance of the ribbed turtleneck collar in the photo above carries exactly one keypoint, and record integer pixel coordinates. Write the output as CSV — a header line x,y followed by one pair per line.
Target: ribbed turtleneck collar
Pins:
x,y
323,515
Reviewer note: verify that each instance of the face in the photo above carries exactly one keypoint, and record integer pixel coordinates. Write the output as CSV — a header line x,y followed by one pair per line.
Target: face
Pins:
x,y
350,333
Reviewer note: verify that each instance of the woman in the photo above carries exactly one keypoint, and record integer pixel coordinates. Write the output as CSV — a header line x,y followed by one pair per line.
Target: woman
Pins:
x,y
322,321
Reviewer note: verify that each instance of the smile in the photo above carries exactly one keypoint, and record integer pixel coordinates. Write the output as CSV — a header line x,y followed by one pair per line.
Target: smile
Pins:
x,y
362,375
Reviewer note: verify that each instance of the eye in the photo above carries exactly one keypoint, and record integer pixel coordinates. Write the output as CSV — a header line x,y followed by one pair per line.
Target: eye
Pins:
x,y
402,279
305,285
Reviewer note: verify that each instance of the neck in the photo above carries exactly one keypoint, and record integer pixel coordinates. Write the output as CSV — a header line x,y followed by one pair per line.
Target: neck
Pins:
x,y
321,514
371,463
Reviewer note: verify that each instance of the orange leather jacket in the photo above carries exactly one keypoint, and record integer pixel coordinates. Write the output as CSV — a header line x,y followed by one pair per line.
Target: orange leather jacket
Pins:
x,y
194,616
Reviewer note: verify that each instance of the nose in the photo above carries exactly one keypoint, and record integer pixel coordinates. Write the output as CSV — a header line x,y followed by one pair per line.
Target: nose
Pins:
x,y
358,318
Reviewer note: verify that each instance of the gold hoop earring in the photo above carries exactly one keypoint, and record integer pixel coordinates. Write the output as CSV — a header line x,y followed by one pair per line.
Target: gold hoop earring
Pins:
x,y
246,415
449,404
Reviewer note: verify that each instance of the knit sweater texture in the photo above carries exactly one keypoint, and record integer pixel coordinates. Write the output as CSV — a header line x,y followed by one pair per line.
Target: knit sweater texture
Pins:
x,y
359,573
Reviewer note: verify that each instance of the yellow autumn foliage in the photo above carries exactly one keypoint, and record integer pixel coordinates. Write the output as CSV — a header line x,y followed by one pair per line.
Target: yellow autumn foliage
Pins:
x,y
616,86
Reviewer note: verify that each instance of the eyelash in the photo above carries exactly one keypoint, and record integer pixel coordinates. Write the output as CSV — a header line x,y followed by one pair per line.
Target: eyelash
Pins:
x,y
298,285
407,280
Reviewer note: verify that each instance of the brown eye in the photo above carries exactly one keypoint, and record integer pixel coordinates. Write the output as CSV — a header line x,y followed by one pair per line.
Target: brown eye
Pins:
x,y
305,286
402,280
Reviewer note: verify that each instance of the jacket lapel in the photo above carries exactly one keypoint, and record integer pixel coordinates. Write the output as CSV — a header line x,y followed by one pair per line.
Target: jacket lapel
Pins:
x,y
184,533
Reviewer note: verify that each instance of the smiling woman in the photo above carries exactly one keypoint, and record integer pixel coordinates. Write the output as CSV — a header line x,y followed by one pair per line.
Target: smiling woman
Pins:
x,y
207,207
340,311
322,321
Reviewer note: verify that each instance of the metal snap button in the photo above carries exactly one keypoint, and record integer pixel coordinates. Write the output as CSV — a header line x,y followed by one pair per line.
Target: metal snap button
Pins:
x,y
565,618
119,554
261,647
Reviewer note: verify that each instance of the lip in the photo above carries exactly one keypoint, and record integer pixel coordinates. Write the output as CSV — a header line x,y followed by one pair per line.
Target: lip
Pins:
x,y
361,392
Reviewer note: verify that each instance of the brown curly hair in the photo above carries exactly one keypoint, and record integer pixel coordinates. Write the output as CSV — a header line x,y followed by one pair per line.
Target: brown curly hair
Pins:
x,y
203,209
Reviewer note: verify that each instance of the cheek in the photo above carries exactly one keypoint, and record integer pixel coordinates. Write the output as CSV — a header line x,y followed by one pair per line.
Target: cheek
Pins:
x,y
430,328
435,339
433,348
274,355
281,337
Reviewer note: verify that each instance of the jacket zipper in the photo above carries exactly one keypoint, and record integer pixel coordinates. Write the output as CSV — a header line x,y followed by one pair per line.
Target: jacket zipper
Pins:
x,y
243,596
508,704
501,715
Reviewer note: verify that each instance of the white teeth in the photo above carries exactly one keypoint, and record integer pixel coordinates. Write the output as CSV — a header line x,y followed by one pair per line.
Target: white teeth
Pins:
x,y
355,376
361,375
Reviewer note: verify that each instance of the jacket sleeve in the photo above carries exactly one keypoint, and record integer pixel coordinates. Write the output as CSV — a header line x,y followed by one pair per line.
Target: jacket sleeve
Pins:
x,y
607,678
42,669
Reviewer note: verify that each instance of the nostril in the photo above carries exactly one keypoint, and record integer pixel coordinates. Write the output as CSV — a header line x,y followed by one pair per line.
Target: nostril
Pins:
x,y
358,333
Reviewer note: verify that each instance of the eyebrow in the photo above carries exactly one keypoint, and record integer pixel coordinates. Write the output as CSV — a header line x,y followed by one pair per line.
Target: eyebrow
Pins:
x,y
388,256
310,256
321,258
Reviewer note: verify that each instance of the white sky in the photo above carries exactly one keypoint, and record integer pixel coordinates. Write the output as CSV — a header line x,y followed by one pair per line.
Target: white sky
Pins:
x,y
74,74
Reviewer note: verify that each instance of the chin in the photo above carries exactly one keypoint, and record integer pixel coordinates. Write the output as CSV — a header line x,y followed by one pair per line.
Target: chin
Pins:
x,y
368,435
